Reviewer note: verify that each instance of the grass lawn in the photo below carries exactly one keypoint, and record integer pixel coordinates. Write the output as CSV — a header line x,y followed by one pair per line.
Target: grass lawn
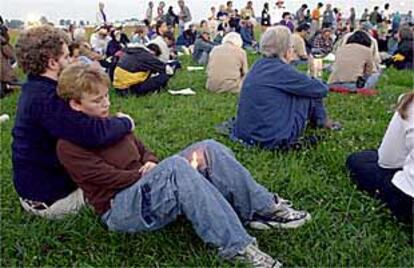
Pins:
x,y
348,227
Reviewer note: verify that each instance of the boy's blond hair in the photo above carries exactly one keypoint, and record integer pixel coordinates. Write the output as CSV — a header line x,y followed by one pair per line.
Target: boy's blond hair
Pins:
x,y
80,78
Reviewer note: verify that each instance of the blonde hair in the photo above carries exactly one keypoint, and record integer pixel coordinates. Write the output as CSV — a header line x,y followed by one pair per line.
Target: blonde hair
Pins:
x,y
403,104
80,78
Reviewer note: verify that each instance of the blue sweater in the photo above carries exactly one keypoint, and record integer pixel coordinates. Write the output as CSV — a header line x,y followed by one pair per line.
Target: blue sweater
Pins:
x,y
42,118
274,103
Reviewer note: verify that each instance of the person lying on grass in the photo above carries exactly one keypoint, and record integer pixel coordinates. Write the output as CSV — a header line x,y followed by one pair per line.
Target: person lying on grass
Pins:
x,y
42,184
277,101
133,192
388,173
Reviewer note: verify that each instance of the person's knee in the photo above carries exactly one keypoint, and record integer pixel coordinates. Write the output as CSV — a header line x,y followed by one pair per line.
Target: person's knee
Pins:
x,y
176,161
351,161
213,145
210,143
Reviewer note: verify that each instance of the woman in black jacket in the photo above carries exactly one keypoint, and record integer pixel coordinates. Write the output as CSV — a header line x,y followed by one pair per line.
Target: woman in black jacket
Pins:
x,y
403,56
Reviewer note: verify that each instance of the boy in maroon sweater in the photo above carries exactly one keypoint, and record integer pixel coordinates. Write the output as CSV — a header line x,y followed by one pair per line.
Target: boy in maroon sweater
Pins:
x,y
132,192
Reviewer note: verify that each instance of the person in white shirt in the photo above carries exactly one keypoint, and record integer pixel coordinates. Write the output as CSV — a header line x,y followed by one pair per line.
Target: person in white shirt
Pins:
x,y
99,40
164,39
277,12
388,173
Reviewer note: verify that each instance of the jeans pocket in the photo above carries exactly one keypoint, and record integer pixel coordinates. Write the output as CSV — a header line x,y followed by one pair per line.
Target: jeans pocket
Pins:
x,y
146,205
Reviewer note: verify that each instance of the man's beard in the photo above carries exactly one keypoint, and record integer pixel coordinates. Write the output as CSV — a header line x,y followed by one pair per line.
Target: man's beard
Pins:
x,y
62,67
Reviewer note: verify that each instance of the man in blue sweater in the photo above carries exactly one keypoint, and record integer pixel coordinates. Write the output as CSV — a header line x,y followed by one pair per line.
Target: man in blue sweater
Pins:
x,y
44,187
276,100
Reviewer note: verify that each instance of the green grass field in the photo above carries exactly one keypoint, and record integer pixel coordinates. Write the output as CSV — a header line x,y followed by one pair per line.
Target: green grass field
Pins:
x,y
348,227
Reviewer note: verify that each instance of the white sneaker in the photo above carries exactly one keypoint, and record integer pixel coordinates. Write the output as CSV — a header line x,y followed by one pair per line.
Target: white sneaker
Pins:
x,y
283,217
256,258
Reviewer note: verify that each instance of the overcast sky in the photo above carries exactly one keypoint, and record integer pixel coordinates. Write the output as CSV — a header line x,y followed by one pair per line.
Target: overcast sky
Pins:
x,y
123,9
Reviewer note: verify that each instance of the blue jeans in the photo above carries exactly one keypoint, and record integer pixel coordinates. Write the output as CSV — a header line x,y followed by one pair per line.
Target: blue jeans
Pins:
x,y
216,198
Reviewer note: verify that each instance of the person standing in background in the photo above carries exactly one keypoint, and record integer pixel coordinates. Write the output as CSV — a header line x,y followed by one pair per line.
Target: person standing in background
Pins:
x,y
277,12
373,17
387,13
352,19
266,19
300,14
365,15
101,18
229,8
160,11
409,17
328,17
149,15
184,16
316,15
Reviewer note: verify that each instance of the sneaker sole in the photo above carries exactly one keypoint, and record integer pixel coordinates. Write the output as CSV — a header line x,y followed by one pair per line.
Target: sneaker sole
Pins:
x,y
257,225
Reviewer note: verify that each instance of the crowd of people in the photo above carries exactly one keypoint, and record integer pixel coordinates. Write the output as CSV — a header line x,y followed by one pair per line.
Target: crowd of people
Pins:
x,y
68,150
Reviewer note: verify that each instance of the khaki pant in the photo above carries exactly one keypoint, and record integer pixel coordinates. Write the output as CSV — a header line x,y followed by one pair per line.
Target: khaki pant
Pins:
x,y
61,208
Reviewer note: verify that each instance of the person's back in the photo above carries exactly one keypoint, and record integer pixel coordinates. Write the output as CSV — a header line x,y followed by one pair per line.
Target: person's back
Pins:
x,y
226,68
374,48
140,72
328,17
351,62
34,147
269,101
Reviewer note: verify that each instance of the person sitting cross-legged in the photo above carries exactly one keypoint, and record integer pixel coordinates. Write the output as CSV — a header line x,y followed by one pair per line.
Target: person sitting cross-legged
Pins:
x,y
276,100
133,192
388,173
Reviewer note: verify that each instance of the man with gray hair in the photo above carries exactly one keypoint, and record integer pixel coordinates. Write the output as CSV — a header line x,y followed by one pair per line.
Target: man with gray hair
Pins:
x,y
277,101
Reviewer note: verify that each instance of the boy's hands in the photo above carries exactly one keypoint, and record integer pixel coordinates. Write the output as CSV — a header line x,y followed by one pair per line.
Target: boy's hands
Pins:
x,y
147,167
122,115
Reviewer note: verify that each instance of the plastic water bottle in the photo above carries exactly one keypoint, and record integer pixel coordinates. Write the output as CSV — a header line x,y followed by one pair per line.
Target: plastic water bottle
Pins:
x,y
4,118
